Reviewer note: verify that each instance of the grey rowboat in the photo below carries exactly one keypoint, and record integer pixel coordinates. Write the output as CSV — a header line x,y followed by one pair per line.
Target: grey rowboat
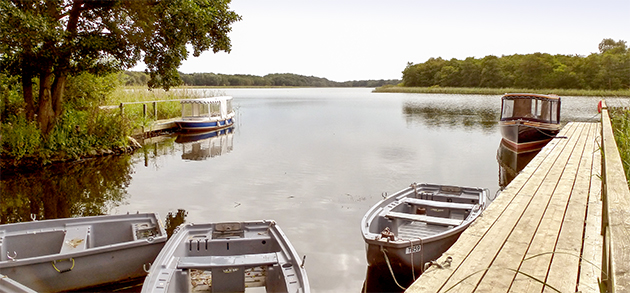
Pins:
x,y
416,225
74,253
228,257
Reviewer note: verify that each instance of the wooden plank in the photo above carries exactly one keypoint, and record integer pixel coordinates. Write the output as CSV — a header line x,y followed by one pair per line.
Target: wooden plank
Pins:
x,y
617,208
439,204
591,263
564,270
424,218
537,229
506,208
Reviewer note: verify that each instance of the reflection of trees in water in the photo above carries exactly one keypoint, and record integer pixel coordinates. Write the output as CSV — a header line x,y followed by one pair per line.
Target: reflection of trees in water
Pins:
x,y
434,116
173,221
86,188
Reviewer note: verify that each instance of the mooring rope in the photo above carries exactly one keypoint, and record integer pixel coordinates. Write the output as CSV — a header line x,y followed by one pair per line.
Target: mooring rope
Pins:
x,y
390,269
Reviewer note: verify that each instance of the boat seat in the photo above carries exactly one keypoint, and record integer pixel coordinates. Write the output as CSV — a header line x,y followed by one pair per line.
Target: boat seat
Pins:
x,y
439,204
424,218
230,261
228,272
76,238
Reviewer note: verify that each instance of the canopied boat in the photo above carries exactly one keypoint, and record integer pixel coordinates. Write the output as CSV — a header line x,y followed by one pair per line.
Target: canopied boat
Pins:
x,y
74,253
417,224
529,121
206,114
228,257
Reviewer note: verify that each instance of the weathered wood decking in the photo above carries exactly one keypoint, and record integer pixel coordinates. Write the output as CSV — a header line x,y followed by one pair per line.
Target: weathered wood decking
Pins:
x,y
542,234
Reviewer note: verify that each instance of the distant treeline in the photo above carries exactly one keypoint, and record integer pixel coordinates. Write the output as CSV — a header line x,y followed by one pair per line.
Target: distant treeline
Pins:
x,y
609,69
278,79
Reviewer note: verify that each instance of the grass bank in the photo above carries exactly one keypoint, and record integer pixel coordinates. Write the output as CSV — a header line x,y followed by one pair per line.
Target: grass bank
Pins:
x,y
500,91
620,119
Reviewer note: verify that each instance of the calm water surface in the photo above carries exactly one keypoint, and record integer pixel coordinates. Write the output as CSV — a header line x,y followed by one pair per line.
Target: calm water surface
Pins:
x,y
313,160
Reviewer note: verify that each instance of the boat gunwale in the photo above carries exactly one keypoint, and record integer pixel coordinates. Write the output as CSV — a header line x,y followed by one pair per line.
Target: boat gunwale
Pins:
x,y
62,224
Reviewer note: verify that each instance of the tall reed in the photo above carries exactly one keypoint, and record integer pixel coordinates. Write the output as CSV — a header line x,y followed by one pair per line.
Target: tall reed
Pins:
x,y
620,119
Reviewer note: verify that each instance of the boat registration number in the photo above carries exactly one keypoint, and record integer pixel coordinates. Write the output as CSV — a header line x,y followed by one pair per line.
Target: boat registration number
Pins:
x,y
413,249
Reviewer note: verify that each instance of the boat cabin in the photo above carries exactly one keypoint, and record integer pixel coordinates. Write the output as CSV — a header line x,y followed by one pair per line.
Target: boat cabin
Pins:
x,y
207,108
540,108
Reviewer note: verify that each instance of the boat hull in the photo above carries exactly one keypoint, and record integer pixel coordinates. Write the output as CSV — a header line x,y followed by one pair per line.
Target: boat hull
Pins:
x,y
521,136
416,225
199,126
99,257
400,258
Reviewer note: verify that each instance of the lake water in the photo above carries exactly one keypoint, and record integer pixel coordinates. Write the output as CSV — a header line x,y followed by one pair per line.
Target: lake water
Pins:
x,y
314,160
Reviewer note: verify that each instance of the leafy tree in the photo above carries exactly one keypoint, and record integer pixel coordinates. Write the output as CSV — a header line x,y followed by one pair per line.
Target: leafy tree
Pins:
x,y
610,69
608,45
47,41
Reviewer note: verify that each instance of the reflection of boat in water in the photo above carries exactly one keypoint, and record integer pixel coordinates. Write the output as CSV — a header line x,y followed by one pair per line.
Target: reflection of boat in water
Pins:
x,y
74,253
200,146
206,114
417,224
529,121
228,257
512,162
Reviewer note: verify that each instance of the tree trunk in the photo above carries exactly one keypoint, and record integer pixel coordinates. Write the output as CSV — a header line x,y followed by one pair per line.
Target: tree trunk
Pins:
x,y
46,114
57,93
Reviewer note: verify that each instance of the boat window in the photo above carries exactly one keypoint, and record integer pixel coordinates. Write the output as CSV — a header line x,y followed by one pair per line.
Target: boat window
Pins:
x,y
229,106
194,110
508,109
555,116
215,109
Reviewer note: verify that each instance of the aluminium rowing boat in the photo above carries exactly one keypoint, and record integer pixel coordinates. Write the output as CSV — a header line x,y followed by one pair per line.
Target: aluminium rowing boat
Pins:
x,y
227,257
75,253
417,224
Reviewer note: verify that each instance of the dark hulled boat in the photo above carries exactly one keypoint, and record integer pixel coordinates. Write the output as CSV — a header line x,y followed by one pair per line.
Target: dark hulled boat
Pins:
x,y
529,121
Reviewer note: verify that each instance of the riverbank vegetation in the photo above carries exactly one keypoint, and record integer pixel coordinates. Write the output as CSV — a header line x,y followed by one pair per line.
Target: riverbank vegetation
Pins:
x,y
607,70
81,130
501,91
620,119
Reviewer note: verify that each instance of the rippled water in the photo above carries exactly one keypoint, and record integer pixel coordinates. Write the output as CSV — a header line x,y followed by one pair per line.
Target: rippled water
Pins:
x,y
313,160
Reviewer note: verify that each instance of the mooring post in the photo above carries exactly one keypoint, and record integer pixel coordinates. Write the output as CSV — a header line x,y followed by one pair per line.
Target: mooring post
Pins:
x,y
144,111
155,117
122,109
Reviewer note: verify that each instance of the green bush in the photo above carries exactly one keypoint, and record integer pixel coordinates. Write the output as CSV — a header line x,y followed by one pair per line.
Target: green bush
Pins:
x,y
20,138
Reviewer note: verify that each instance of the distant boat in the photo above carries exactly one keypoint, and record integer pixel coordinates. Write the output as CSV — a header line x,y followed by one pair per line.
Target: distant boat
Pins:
x,y
75,253
529,121
206,114
228,257
418,224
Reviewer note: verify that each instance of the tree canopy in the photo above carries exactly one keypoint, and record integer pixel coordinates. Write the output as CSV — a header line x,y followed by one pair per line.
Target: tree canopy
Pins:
x,y
46,41
609,69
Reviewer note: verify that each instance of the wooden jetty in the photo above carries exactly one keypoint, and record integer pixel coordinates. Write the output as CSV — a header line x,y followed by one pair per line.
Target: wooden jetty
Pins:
x,y
562,225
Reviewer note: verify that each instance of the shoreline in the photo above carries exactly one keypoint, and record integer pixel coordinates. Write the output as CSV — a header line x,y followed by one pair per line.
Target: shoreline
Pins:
x,y
500,91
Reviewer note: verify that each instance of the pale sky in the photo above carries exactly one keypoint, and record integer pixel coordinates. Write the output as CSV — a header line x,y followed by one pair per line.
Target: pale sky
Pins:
x,y
367,39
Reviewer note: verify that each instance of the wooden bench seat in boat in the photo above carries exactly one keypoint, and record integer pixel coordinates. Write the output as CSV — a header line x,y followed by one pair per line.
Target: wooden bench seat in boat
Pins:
x,y
215,261
439,204
424,218
76,238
